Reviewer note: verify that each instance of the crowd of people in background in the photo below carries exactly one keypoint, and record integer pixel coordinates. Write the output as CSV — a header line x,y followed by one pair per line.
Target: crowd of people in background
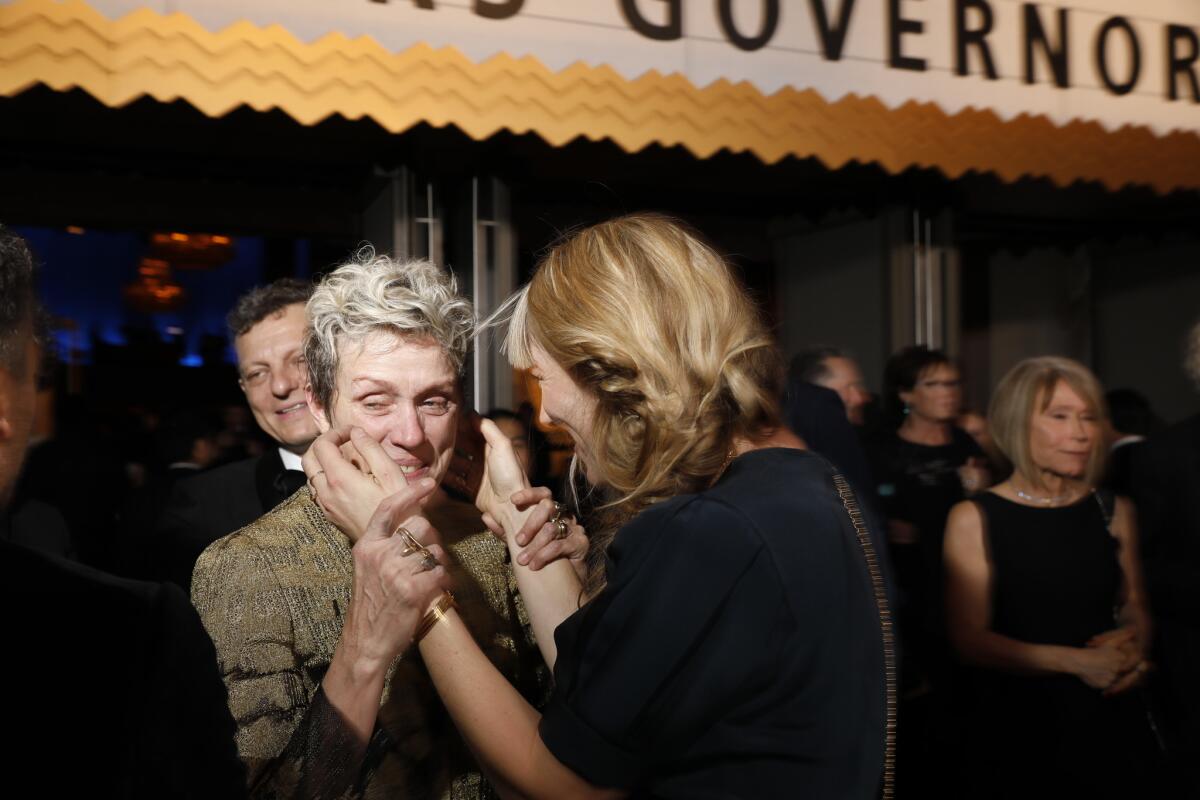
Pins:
x,y
1040,560
1044,564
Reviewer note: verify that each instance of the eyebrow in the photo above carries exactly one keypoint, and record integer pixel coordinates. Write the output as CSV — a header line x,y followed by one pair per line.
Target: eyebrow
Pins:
x,y
388,386
260,362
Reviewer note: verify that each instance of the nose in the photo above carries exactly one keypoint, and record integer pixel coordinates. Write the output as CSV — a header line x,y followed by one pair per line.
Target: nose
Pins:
x,y
405,428
543,417
1080,430
285,380
858,396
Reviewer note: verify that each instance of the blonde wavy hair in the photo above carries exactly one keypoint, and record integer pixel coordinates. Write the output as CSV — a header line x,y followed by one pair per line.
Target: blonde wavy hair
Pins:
x,y
1027,389
370,293
650,320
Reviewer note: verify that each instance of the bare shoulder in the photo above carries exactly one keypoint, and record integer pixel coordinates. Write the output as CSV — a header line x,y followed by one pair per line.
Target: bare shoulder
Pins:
x,y
964,531
964,518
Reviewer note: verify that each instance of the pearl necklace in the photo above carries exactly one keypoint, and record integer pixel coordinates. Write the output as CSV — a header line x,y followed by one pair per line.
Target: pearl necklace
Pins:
x,y
1046,501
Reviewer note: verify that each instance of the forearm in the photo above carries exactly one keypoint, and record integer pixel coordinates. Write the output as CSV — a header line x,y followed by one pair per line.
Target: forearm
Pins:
x,y
550,594
325,752
998,652
499,726
354,688
319,753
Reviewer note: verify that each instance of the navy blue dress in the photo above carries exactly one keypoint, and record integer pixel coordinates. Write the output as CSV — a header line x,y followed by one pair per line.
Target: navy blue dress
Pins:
x,y
736,651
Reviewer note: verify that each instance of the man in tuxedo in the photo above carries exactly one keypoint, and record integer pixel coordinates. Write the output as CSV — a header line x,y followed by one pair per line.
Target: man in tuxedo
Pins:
x,y
267,326
1165,477
111,685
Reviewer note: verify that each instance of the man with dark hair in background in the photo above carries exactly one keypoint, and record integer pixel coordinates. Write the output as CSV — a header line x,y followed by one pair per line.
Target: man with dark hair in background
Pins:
x,y
267,326
111,684
835,370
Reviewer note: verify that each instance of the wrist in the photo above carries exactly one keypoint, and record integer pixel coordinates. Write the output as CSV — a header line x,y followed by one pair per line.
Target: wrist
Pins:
x,y
437,612
352,670
511,519
1065,660
357,659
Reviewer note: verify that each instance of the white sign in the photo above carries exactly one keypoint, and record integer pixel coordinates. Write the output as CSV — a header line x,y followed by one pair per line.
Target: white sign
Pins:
x,y
1112,61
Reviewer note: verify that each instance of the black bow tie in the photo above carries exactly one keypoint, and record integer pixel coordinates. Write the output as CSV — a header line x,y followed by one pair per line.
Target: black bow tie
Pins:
x,y
289,481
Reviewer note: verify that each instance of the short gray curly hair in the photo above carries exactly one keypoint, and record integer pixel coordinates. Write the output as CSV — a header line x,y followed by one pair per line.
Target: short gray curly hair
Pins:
x,y
1191,355
370,293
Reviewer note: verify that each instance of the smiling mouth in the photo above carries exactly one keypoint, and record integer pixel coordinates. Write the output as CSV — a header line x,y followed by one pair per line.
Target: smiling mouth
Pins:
x,y
290,409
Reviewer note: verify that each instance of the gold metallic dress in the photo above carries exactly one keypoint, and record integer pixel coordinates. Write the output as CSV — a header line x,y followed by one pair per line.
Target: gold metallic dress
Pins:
x,y
272,597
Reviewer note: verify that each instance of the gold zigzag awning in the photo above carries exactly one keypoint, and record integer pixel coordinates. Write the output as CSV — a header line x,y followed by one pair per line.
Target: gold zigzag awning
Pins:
x,y
169,57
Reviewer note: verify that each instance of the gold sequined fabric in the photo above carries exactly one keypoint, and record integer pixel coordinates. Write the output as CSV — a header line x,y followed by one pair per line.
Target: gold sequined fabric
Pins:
x,y
272,597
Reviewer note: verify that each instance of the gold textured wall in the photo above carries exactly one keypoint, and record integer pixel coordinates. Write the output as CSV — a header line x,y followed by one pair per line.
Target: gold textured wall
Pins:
x,y
169,57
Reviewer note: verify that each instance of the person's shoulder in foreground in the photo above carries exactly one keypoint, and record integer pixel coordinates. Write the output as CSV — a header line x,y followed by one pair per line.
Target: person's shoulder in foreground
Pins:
x,y
737,648
117,694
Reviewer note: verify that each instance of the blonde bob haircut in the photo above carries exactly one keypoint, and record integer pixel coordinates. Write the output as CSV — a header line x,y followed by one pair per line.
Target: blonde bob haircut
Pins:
x,y
1026,390
650,320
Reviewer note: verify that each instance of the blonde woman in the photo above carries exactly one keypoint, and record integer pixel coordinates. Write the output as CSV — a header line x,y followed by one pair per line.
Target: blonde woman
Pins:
x,y
728,638
1044,597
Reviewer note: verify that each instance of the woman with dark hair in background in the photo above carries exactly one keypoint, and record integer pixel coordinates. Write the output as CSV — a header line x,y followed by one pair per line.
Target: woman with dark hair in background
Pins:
x,y
1045,597
922,468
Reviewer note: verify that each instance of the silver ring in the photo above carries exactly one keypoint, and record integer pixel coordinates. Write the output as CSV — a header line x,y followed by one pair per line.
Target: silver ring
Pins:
x,y
428,562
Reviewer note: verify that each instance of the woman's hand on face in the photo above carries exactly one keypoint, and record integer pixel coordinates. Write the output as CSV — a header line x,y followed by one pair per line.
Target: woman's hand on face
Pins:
x,y
502,475
540,538
393,587
349,475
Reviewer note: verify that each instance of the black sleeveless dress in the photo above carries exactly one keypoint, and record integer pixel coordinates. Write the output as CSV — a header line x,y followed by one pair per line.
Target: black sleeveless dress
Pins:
x,y
1056,581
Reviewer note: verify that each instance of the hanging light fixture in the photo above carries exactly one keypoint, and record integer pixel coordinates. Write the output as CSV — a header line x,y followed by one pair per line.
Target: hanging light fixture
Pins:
x,y
192,251
155,290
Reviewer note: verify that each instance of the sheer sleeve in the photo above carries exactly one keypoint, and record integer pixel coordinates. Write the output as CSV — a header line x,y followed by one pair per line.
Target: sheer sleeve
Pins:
x,y
293,742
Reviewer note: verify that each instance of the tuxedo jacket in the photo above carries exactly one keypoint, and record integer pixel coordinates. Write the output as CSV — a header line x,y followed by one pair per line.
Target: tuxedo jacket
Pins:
x,y
112,687
213,504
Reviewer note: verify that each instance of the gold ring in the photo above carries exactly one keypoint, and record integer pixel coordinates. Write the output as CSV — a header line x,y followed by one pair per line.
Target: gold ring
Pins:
x,y
411,545
563,528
